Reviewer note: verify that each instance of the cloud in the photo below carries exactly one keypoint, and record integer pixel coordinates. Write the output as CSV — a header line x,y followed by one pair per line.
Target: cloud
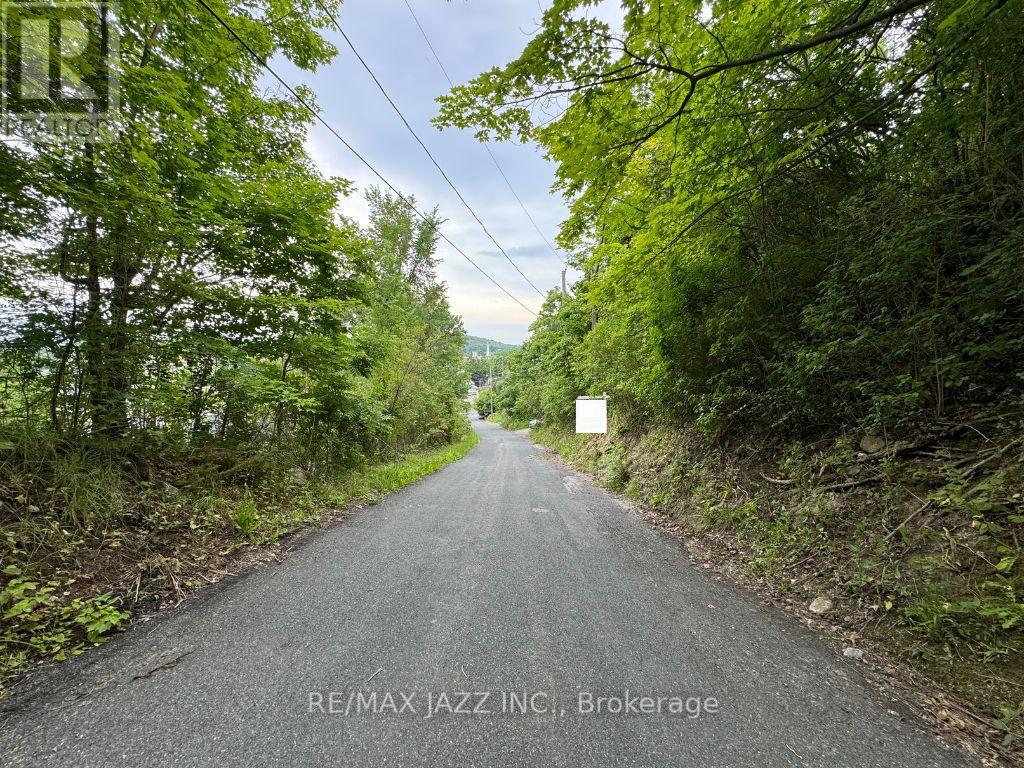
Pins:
x,y
472,38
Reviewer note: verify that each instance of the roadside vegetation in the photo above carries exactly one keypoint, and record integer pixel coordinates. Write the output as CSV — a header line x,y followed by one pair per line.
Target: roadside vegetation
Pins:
x,y
171,543
508,421
801,233
200,352
912,546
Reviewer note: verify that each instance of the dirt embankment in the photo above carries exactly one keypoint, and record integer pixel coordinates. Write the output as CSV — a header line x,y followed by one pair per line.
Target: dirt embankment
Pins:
x,y
906,553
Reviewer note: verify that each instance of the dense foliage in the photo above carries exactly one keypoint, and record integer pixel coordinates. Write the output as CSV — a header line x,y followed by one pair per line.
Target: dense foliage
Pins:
x,y
789,215
192,282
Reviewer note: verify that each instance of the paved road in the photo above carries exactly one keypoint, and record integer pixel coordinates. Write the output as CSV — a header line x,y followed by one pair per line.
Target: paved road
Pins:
x,y
501,573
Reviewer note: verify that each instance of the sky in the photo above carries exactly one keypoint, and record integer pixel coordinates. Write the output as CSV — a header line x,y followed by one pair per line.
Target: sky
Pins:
x,y
470,36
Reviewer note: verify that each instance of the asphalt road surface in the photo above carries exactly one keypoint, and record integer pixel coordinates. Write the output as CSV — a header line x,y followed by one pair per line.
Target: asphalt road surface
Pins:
x,y
503,574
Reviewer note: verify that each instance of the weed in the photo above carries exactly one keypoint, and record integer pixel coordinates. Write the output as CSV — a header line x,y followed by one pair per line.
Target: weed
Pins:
x,y
984,621
245,517
613,467
39,621
1008,723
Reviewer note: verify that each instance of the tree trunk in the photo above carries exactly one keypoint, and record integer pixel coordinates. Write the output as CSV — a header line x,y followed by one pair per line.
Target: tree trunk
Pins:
x,y
94,332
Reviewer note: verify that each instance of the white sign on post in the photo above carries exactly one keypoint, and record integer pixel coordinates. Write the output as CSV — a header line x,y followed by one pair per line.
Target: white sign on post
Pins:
x,y
591,416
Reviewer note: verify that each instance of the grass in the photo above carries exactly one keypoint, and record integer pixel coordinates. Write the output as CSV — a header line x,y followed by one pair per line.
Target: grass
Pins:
x,y
509,422
85,544
378,481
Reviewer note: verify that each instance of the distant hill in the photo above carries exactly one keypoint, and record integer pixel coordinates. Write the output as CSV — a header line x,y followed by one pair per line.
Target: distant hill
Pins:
x,y
478,345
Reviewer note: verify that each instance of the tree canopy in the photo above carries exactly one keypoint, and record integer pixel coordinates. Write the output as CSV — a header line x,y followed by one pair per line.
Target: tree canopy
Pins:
x,y
194,278
788,215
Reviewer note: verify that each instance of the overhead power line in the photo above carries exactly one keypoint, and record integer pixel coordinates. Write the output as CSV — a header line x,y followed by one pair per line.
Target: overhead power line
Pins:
x,y
494,160
319,118
423,146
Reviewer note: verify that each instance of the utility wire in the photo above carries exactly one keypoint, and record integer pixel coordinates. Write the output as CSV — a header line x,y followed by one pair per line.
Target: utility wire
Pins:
x,y
317,116
423,146
494,160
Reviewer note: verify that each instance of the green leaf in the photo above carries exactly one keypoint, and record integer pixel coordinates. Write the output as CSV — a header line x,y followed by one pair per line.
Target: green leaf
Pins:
x,y
1006,564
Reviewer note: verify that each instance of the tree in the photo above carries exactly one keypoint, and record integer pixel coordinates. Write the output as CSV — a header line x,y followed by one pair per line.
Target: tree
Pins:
x,y
192,279
789,215
182,212
416,339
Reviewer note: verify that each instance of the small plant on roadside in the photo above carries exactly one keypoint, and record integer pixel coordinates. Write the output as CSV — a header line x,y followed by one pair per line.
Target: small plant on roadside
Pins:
x,y
1010,723
614,468
39,622
245,517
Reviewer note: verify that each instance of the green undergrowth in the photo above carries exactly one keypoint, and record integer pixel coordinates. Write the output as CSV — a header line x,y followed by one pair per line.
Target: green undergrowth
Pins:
x,y
376,482
87,538
508,421
918,546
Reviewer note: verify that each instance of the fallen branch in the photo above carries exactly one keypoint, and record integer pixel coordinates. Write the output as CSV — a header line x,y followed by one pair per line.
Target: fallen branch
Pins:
x,y
851,484
995,455
808,576
801,561
972,457
910,517
828,488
